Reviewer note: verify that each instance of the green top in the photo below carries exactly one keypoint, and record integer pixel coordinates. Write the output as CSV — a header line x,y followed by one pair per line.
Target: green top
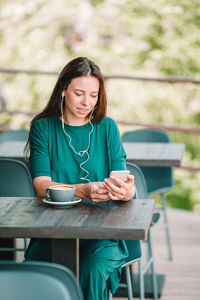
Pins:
x,y
52,156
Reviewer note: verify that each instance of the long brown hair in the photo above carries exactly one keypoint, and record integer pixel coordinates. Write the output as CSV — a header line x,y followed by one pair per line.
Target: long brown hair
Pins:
x,y
80,66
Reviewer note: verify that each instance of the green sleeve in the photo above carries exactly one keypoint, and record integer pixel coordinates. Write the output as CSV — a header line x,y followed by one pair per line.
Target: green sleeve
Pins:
x,y
118,154
39,150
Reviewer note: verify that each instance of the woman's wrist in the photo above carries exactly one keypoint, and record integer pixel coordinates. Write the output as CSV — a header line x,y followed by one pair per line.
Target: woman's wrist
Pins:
x,y
82,190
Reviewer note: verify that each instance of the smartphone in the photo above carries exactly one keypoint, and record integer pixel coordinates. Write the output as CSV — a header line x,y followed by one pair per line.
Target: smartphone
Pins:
x,y
123,174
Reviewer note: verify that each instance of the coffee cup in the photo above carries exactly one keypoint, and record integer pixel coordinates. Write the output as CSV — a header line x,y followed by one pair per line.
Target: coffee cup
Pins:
x,y
60,193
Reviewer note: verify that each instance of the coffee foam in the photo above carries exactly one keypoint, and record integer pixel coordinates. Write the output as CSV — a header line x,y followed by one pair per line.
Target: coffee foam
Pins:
x,y
63,187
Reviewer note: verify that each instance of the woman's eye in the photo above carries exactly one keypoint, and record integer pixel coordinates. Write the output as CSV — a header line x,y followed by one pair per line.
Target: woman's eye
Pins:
x,y
94,96
78,94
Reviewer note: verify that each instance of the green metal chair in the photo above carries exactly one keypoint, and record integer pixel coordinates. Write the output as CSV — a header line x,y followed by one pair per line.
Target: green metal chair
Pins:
x,y
135,248
135,255
37,280
159,180
15,181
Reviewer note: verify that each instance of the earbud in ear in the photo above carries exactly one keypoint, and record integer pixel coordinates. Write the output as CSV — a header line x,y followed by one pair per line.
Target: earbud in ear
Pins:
x,y
63,95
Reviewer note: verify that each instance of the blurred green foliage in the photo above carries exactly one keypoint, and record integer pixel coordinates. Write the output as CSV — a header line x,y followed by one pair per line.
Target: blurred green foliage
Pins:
x,y
181,196
149,38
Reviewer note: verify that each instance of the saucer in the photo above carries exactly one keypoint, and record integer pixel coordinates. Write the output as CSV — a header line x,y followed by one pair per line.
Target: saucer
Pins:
x,y
62,204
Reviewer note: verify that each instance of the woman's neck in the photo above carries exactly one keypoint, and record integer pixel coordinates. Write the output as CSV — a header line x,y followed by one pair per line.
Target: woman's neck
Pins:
x,y
74,121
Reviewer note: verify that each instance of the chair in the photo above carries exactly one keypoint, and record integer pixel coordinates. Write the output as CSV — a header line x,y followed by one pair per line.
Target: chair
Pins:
x,y
37,280
159,180
15,181
134,247
14,135
135,255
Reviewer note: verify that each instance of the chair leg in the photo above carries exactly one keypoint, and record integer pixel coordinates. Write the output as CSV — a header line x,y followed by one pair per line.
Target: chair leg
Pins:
x,y
25,244
154,279
141,280
129,283
164,203
109,295
148,254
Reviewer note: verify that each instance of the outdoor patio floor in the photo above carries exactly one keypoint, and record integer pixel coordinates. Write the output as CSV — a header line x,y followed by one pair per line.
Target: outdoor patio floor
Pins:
x,y
182,281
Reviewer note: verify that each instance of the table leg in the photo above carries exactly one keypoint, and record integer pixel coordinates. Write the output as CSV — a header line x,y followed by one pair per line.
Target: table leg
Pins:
x,y
66,252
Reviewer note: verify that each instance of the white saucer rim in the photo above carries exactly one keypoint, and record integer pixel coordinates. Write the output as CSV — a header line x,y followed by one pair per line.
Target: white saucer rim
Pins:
x,y
45,200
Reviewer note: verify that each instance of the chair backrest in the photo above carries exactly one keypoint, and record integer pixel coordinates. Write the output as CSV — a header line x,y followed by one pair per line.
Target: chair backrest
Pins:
x,y
147,136
158,179
140,183
134,247
141,188
37,280
15,179
14,135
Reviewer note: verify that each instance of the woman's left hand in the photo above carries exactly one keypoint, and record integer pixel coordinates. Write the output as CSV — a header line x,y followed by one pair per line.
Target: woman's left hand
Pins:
x,y
119,189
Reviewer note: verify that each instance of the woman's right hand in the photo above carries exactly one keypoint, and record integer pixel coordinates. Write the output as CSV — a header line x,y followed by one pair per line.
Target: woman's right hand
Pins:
x,y
97,192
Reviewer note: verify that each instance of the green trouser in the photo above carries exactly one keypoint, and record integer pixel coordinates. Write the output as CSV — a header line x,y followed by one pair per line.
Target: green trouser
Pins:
x,y
100,262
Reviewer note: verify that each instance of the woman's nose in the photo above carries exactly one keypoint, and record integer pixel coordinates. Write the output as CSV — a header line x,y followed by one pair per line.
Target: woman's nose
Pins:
x,y
85,100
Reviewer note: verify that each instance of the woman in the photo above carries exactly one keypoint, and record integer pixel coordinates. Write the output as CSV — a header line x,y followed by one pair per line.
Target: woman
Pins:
x,y
71,141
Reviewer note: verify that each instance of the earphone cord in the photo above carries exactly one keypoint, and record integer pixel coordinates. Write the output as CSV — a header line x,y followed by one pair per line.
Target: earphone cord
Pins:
x,y
82,152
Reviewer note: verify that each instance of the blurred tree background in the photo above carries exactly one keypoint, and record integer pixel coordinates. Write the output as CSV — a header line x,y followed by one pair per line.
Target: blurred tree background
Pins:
x,y
124,37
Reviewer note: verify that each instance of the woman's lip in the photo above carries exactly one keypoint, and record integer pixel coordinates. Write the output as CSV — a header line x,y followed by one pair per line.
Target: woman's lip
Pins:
x,y
83,110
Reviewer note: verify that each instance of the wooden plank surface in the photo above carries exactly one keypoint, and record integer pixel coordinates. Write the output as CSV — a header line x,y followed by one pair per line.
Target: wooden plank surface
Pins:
x,y
182,275
13,149
30,217
154,154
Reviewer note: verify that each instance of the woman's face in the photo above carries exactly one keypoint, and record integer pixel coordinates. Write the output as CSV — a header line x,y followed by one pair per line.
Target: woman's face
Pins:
x,y
80,98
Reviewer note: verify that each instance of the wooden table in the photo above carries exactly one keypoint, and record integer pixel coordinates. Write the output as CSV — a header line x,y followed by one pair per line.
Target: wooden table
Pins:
x,y
12,149
154,154
142,154
30,217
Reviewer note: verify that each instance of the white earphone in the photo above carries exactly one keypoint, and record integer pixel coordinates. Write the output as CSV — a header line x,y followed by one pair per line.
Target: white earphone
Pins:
x,y
81,152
